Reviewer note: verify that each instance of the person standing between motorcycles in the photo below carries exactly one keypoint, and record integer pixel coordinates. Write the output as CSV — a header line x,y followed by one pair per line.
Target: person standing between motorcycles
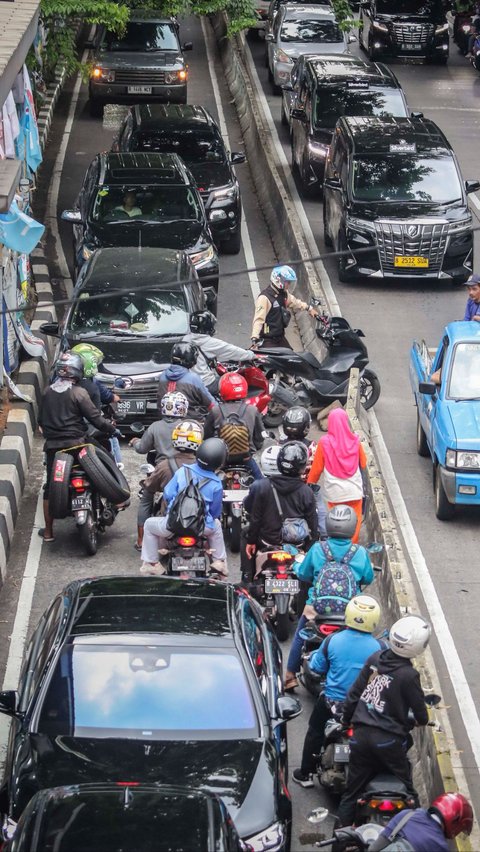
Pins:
x,y
179,376
341,458
378,705
64,408
296,423
341,657
211,457
202,330
243,433
296,500
272,309
429,830
341,524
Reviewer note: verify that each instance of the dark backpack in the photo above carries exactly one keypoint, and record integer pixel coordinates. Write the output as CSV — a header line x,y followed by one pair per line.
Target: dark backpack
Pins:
x,y
336,583
234,431
187,513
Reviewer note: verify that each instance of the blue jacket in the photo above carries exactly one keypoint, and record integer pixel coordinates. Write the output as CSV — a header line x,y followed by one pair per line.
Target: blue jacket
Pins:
x,y
106,395
423,832
471,309
342,657
200,400
212,491
314,561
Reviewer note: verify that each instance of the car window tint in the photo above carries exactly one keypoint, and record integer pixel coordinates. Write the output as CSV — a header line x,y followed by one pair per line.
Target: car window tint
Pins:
x,y
406,177
41,646
254,641
331,103
131,314
129,204
144,36
192,146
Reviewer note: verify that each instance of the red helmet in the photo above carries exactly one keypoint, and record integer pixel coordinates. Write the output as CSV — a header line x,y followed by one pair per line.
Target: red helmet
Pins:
x,y
456,813
232,386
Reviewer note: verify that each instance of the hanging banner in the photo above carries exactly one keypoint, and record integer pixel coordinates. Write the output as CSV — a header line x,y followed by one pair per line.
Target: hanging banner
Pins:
x,y
28,142
18,231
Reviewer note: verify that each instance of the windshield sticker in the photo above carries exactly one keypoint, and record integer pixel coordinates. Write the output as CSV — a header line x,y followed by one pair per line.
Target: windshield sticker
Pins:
x,y
103,192
403,148
357,84
131,310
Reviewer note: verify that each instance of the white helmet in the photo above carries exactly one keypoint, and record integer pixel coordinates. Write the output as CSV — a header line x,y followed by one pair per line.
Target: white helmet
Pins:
x,y
174,404
409,636
187,436
268,461
282,276
363,613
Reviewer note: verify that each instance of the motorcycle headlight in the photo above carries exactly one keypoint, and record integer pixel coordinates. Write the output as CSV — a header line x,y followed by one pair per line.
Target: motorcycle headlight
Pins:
x,y
318,149
463,460
87,252
201,258
380,27
281,56
441,30
271,839
466,28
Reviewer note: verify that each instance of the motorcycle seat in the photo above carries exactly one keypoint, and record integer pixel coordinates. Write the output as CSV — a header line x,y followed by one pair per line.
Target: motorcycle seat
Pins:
x,y
334,618
385,782
311,359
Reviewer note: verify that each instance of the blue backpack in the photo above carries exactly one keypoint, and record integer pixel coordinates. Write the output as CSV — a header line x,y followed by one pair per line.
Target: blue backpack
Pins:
x,y
336,583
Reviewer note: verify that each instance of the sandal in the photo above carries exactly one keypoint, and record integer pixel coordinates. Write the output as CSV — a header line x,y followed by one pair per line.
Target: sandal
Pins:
x,y
290,684
138,547
41,533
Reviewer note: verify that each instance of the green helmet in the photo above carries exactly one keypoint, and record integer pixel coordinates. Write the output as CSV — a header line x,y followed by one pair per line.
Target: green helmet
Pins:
x,y
91,357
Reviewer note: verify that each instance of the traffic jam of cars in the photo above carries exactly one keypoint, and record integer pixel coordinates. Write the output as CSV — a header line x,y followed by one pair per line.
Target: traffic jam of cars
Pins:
x,y
152,706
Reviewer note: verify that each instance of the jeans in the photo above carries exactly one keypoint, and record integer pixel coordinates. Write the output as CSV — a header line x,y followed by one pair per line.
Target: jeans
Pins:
x,y
156,537
115,450
321,513
145,506
315,735
295,655
254,469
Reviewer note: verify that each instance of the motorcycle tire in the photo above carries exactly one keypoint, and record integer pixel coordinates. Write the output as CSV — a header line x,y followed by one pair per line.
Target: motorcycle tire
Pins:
x,y
59,495
88,535
104,474
282,626
369,389
274,415
235,533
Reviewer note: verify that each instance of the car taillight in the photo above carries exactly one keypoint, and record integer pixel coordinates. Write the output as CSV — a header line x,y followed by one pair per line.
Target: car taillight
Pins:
x,y
79,483
327,629
186,541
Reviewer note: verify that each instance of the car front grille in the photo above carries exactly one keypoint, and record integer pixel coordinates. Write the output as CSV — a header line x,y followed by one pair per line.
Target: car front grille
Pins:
x,y
404,239
412,33
146,77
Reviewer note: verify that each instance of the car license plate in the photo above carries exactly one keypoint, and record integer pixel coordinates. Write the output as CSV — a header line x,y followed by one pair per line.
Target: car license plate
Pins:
x,y
281,587
132,406
342,753
411,47
139,90
79,503
410,262
234,495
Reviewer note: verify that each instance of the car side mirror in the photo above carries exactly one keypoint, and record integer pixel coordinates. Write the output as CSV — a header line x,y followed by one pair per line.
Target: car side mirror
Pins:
x,y
287,87
50,328
428,388
415,114
333,183
211,299
73,216
237,157
8,702
472,186
432,699
188,45
298,113
288,707
268,36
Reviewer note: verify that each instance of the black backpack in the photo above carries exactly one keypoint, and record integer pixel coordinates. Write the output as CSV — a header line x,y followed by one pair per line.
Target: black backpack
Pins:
x,y
187,513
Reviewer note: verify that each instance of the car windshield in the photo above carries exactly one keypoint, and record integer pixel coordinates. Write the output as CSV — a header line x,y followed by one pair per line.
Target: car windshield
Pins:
x,y
311,30
424,8
331,103
465,372
403,177
148,692
191,145
143,36
152,203
143,313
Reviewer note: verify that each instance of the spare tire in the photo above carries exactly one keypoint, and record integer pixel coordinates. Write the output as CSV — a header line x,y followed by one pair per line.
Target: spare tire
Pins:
x,y
59,493
104,474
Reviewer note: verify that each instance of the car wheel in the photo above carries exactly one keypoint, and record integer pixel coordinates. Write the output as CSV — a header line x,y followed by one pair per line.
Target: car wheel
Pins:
x,y
422,446
283,115
443,509
292,153
233,244
342,260
267,64
308,189
371,51
96,108
326,236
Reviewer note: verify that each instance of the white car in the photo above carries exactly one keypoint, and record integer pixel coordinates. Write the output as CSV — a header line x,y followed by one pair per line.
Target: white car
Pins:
x,y
299,29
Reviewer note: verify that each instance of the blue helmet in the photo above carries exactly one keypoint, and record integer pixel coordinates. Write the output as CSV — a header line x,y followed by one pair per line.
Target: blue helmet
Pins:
x,y
282,277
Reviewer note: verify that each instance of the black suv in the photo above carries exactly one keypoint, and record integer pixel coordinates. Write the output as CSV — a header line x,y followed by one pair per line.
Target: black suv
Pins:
x,y
145,63
191,132
394,202
142,200
324,88
416,28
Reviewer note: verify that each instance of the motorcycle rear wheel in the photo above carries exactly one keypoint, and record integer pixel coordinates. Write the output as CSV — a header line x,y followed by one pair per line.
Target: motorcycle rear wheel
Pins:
x,y
88,535
369,389
282,626
274,415
235,529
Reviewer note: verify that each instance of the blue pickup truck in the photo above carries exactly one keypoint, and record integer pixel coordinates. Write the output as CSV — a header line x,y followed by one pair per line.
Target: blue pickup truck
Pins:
x,y
446,385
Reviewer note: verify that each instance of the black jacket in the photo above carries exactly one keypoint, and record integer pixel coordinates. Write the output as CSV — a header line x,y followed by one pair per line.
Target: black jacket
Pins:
x,y
275,324
385,690
62,417
251,417
296,499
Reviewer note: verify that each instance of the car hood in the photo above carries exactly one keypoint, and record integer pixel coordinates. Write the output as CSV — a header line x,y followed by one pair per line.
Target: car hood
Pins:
x,y
241,772
296,49
210,175
176,235
136,60
465,419
125,356
372,210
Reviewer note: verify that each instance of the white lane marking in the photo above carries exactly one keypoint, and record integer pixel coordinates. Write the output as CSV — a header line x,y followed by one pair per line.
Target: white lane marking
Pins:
x,y
442,631
246,241
52,198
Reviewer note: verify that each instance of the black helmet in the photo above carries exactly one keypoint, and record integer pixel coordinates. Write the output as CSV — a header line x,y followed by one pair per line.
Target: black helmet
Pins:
x,y
185,354
212,454
341,522
203,322
292,458
69,366
296,422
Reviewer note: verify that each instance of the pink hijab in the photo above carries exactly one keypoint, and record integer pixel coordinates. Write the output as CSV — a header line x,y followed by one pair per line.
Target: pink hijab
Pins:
x,y
340,445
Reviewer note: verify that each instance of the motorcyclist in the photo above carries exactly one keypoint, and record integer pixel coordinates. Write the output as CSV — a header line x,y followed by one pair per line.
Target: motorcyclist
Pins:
x,y
233,391
341,657
201,334
429,830
296,423
272,309
340,524
295,497
378,706
474,34
179,376
211,457
98,392
64,408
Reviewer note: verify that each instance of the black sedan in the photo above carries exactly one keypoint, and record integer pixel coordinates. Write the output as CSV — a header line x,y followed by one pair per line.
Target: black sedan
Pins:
x,y
120,817
155,680
134,305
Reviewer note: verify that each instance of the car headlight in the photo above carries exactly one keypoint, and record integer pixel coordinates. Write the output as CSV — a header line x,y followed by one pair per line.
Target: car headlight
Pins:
x,y
271,839
104,74
201,258
176,76
463,459
225,194
87,252
317,149
280,56
380,27
359,224
462,225
441,30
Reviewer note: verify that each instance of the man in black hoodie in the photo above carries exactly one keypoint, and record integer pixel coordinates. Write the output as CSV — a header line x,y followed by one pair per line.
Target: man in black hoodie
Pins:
x,y
378,705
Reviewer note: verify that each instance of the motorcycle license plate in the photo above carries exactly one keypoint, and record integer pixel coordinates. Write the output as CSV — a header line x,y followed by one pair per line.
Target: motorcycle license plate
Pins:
x,y
139,90
132,406
342,753
196,563
234,495
410,262
79,503
281,587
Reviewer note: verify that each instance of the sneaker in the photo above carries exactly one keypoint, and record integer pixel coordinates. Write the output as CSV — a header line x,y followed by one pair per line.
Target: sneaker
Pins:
x,y
219,567
305,780
153,570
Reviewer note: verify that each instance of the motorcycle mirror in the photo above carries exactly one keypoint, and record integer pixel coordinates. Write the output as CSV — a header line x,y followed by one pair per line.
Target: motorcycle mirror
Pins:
x,y
358,332
137,428
318,815
432,700
375,547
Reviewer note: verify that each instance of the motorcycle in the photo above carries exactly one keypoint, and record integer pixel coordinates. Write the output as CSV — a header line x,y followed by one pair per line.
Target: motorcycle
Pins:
x,y
274,586
298,378
332,766
475,59
258,384
348,839
236,482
